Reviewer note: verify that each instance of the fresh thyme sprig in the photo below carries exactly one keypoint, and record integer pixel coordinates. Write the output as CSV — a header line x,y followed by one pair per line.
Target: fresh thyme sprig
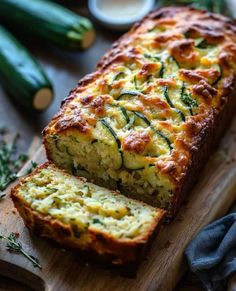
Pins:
x,y
9,164
13,245
33,166
216,6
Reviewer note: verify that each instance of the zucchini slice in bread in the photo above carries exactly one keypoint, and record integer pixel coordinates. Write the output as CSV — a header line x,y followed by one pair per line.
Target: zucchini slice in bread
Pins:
x,y
84,216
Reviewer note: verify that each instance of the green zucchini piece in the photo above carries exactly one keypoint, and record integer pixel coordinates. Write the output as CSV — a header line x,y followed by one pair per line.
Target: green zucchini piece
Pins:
x,y
158,132
49,21
168,100
180,113
203,44
159,141
166,95
120,119
59,145
136,162
110,134
149,77
198,41
133,161
171,68
119,76
158,59
163,136
125,114
142,117
152,57
21,75
131,121
127,94
218,67
187,100
162,70
111,131
136,83
117,116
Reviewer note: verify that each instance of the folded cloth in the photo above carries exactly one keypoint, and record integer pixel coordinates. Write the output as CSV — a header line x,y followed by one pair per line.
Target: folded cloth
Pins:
x,y
211,255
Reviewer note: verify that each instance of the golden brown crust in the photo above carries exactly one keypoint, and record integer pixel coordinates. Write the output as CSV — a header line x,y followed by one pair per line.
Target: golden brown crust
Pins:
x,y
208,141
192,147
190,21
136,141
118,251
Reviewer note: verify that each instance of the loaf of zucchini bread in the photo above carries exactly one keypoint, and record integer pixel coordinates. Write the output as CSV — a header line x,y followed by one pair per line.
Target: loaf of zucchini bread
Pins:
x,y
147,119
84,216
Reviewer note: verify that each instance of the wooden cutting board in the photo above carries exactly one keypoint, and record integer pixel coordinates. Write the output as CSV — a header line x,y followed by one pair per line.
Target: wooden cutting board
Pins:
x,y
165,264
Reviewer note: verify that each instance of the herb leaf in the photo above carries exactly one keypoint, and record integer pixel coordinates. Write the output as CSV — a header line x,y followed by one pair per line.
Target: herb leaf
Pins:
x,y
188,100
33,166
9,164
13,245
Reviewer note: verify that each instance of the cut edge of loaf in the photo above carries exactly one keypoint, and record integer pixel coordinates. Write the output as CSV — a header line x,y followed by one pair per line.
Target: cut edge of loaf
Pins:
x,y
105,247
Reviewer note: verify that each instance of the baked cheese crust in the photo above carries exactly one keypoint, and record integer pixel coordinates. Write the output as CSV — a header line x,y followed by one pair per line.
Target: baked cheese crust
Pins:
x,y
146,120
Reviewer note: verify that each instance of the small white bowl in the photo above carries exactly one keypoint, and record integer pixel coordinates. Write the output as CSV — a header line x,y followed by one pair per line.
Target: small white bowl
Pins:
x,y
120,21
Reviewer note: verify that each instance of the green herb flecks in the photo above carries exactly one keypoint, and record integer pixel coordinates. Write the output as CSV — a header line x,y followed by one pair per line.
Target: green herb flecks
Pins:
x,y
136,83
13,245
119,76
9,163
33,166
187,100
158,59
168,100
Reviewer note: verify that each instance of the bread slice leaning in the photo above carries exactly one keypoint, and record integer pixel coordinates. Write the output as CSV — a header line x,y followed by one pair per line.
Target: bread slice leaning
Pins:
x,y
84,216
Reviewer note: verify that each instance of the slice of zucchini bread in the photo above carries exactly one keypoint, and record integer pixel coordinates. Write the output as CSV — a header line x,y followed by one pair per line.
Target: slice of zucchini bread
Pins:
x,y
146,121
82,215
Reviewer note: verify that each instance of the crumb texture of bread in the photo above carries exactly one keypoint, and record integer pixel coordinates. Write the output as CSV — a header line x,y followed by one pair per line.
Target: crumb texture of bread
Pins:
x,y
85,216
146,120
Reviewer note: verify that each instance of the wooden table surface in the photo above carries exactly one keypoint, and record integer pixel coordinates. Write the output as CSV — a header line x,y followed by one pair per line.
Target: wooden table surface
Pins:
x,y
64,69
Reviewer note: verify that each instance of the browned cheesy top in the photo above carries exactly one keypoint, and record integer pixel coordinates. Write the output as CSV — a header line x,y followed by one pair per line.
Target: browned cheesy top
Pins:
x,y
158,87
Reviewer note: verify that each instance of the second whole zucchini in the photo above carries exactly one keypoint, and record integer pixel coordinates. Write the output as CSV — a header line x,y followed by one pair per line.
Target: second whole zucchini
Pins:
x,y
21,75
49,21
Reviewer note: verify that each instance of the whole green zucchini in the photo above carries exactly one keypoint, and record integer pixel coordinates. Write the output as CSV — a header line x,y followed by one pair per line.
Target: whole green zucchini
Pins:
x,y
21,75
49,21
